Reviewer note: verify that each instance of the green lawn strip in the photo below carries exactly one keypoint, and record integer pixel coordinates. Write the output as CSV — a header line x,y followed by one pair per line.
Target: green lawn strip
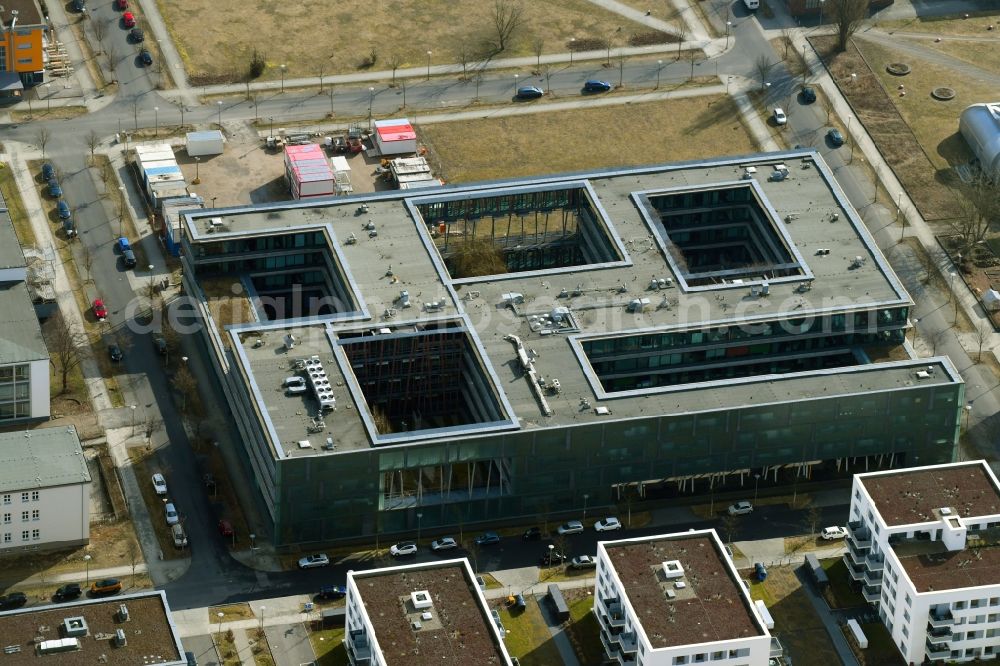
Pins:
x,y
528,636
328,644
15,207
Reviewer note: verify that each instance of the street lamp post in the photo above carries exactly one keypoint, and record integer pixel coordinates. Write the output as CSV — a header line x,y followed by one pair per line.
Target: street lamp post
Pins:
x,y
729,79
552,547
253,538
151,267
48,96
729,24
86,560
184,360
899,210
197,170
219,104
572,45
419,516
371,98
282,78
156,121
270,132
121,210
429,65
220,615
954,296
262,609
821,11
515,84
756,483
585,498
133,408
659,68
213,201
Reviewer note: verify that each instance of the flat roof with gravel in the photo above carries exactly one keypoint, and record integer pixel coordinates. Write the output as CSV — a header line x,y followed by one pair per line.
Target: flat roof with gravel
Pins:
x,y
459,629
151,638
913,496
711,606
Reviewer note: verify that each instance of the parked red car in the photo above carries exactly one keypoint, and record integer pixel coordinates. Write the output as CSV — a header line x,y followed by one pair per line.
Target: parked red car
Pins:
x,y
226,528
100,311
121,5
129,19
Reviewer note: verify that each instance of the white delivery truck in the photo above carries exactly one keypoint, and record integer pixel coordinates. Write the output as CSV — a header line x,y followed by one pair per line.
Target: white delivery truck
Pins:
x,y
752,5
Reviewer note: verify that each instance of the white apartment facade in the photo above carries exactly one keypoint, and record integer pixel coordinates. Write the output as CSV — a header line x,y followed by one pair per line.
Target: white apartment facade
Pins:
x,y
654,595
924,543
409,615
44,491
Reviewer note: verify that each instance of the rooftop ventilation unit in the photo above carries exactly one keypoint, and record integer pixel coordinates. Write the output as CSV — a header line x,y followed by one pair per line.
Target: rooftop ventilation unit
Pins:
x,y
673,569
74,626
59,645
120,640
123,613
421,599
320,384
945,511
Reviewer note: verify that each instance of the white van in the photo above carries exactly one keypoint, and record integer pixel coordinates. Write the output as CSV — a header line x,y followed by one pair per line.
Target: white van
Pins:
x,y
752,5
180,538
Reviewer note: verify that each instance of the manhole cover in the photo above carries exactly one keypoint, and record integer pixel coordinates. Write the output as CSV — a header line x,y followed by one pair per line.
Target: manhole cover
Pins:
x,y
898,68
943,93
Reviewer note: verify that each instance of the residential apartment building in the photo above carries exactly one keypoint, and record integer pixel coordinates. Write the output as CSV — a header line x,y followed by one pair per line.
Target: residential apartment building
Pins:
x,y
675,600
500,351
24,360
432,613
923,545
125,629
23,35
44,491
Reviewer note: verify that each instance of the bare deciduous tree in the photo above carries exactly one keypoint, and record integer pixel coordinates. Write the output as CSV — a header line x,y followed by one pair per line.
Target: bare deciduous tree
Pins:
x,y
848,16
984,329
813,518
100,29
786,38
134,554
112,54
394,62
936,339
762,66
185,384
979,207
93,141
681,36
729,524
507,18
86,261
66,345
42,137
537,47
320,69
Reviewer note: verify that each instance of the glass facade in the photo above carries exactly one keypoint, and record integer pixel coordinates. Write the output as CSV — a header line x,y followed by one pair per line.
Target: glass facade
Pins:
x,y
15,392
326,498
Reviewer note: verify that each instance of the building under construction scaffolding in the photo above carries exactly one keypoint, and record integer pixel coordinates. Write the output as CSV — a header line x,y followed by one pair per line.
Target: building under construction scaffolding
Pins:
x,y
477,354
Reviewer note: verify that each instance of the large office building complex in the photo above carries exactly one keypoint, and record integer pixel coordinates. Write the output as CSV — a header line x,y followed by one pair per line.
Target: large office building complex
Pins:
x,y
504,350
673,600
923,544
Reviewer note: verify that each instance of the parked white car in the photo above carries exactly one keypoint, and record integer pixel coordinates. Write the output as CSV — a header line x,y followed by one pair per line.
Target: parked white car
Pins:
x,y
740,508
779,116
314,561
609,524
572,527
833,533
403,549
159,484
170,511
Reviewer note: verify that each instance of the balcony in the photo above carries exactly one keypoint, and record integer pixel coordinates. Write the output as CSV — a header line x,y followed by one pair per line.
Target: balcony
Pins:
x,y
858,535
939,636
873,577
871,594
615,653
857,572
941,620
359,652
615,615
875,562
938,651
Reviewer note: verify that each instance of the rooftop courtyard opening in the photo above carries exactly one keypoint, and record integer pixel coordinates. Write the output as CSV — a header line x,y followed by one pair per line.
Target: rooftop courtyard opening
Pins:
x,y
673,358
515,231
422,377
721,234
286,276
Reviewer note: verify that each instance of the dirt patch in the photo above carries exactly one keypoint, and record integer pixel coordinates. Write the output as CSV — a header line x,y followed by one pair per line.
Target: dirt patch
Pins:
x,y
860,78
547,143
216,38
230,612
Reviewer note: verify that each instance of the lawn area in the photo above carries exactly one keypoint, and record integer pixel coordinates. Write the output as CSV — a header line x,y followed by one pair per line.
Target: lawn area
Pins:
x,y
881,650
15,207
984,54
529,639
544,143
583,631
917,134
328,644
230,612
840,594
795,622
975,25
226,643
215,38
